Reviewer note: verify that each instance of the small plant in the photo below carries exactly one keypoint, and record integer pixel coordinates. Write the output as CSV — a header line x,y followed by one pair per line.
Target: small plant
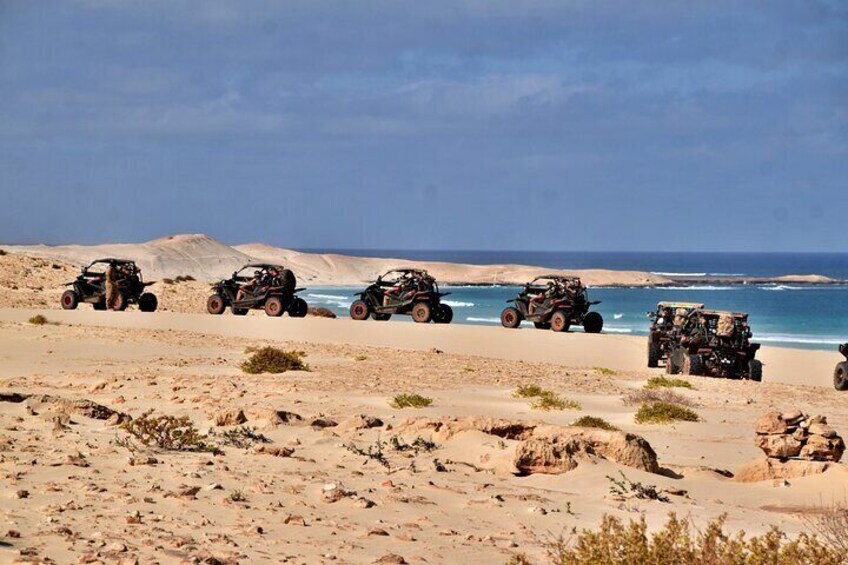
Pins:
x,y
168,432
626,488
528,391
663,413
242,437
237,496
361,358
374,452
594,422
665,382
830,524
604,371
274,360
549,400
407,400
418,445
38,320
645,395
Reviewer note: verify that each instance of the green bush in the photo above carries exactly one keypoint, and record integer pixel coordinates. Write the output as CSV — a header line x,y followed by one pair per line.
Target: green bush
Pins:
x,y
168,432
274,360
528,391
413,400
663,413
665,382
549,400
605,371
593,422
617,543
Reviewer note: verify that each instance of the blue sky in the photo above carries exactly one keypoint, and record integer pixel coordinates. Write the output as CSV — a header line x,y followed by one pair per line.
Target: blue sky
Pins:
x,y
545,125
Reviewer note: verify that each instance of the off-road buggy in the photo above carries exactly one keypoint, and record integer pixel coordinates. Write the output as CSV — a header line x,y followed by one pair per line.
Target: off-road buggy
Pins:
x,y
716,344
666,322
403,291
258,286
553,302
840,374
90,287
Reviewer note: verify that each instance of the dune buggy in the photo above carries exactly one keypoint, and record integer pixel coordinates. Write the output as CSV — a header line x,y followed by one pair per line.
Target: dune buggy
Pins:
x,y
403,291
840,374
270,287
553,302
716,344
90,287
666,323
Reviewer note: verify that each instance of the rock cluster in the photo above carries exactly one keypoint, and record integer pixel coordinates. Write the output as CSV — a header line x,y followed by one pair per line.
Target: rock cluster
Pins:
x,y
794,435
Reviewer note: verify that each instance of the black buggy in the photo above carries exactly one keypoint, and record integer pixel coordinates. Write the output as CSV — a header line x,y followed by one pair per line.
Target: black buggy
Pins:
x,y
270,287
666,323
403,291
716,344
840,374
90,287
553,302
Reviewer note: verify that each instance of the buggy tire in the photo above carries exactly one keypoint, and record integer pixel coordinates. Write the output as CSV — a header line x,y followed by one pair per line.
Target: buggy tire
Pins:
x,y
510,317
70,300
288,281
148,302
239,311
359,310
692,364
653,354
542,325
216,304
298,308
274,307
593,323
443,315
121,304
840,376
560,321
755,370
422,313
380,317
99,306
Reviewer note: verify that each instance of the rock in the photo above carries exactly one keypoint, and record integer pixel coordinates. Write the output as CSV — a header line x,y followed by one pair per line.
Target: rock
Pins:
x,y
360,422
333,492
821,448
273,450
792,416
767,469
391,559
184,491
442,429
22,494
821,430
141,460
283,418
117,419
233,417
771,423
778,446
295,520
322,422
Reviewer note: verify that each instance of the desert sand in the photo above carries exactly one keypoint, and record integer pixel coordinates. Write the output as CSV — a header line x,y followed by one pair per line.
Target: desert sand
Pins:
x,y
74,488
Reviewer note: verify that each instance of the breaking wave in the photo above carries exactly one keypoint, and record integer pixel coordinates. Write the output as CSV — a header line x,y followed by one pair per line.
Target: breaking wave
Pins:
x,y
458,304
696,287
666,274
805,339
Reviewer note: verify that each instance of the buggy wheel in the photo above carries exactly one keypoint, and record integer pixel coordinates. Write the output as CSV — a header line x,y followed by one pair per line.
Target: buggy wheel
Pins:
x,y
560,321
692,364
593,323
239,311
69,300
653,354
755,370
380,317
510,317
359,310
444,314
216,304
298,308
422,313
148,302
288,280
541,325
274,307
840,376
121,303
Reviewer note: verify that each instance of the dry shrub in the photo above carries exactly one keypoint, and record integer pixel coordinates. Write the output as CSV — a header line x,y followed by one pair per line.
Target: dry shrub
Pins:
x,y
412,400
168,432
593,422
528,391
664,413
643,396
604,371
550,400
616,543
665,382
274,360
38,320
830,524
321,312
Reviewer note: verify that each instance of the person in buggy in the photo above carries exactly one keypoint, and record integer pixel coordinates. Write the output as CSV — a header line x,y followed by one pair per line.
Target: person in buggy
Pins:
x,y
406,285
261,280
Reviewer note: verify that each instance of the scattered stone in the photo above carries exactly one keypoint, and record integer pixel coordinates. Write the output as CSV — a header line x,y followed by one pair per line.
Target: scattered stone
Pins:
x,y
214,486
322,422
139,461
22,494
283,418
333,492
183,491
77,460
391,559
230,418
294,519
361,422
793,434
273,450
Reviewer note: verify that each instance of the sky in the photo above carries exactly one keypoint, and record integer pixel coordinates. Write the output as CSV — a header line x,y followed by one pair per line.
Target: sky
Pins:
x,y
462,124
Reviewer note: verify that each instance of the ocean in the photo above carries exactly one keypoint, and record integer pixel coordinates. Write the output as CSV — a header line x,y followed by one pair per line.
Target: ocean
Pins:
x,y
794,315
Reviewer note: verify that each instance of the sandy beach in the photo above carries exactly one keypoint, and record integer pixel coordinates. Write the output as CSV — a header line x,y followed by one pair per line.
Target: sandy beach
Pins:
x,y
73,489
